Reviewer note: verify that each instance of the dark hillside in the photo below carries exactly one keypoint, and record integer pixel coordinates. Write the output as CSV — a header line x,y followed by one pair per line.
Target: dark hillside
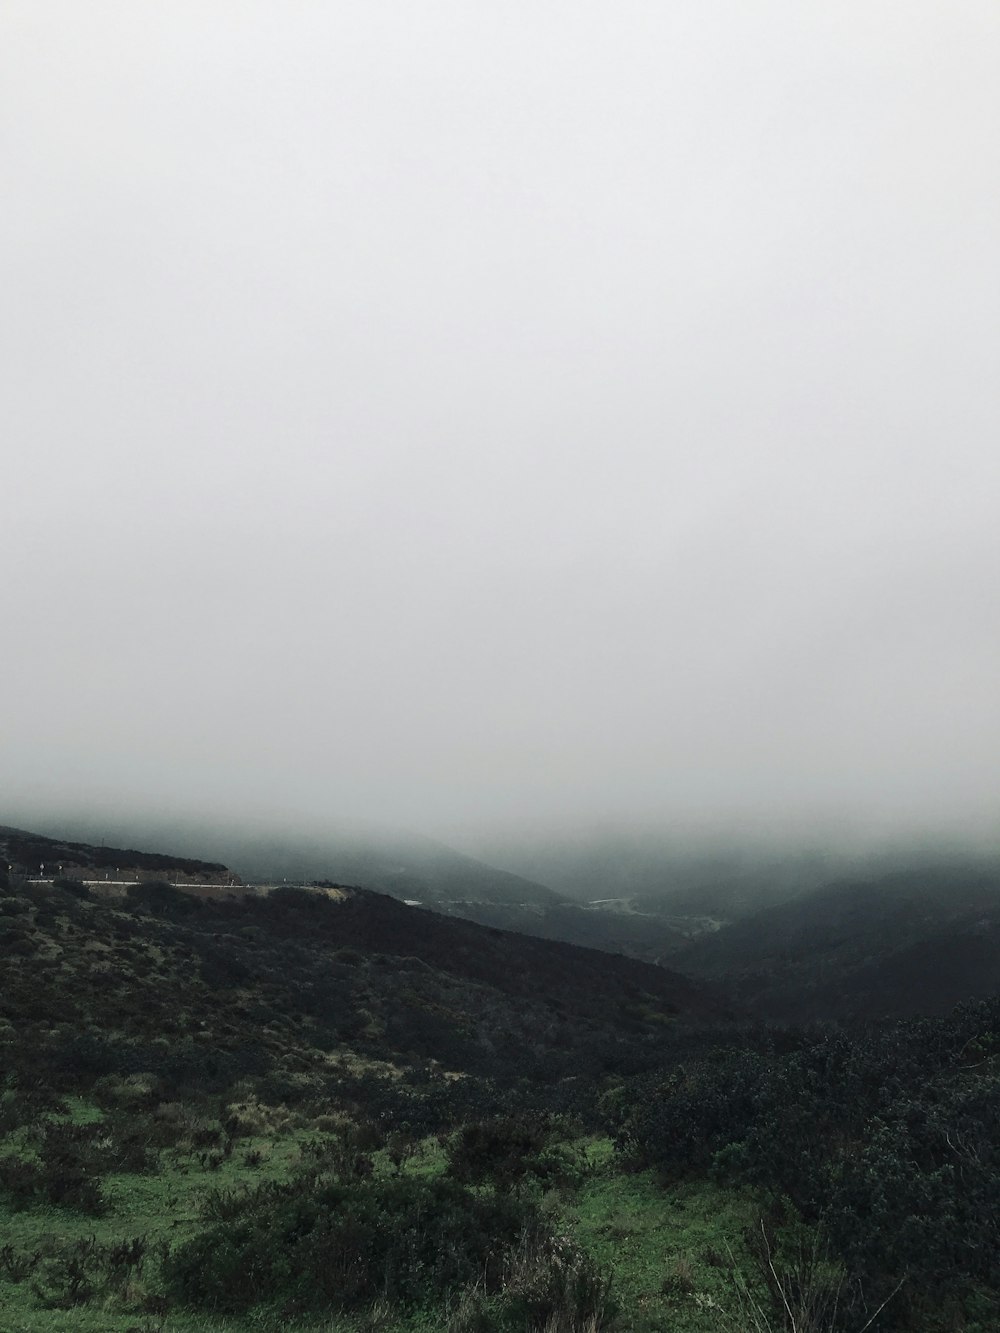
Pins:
x,y
28,852
629,933
584,980
192,1086
420,870
207,991
913,942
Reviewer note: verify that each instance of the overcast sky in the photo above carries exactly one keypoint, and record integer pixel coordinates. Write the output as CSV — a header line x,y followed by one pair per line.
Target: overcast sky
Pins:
x,y
454,413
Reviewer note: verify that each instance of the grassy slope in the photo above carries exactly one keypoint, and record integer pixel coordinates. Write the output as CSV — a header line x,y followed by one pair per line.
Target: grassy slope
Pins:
x,y
666,1247
663,1246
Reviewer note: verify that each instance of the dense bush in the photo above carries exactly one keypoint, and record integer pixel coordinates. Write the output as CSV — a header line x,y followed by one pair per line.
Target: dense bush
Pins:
x,y
85,1269
886,1139
67,1161
508,1150
64,1182
340,1246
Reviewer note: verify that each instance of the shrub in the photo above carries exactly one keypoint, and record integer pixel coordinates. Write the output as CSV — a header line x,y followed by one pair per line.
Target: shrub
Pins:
x,y
340,1246
546,1284
16,1265
510,1149
885,1139
550,1283
79,1271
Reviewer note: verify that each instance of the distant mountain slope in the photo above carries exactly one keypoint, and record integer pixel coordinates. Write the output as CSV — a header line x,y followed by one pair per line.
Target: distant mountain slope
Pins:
x,y
913,942
636,936
294,975
417,869
33,854
402,864
405,866
660,876
521,966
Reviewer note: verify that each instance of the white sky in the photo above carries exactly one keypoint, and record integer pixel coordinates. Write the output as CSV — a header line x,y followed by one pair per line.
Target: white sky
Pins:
x,y
463,412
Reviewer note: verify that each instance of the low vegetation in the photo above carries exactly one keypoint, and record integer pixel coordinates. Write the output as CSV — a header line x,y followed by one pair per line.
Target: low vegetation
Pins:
x,y
311,1113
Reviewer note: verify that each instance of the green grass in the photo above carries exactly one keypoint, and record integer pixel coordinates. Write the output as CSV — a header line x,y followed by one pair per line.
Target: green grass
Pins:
x,y
166,1207
81,1111
161,1207
665,1245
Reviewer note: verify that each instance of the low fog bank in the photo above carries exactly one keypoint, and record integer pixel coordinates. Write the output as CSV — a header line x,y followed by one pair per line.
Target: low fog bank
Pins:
x,y
697,867
493,420
725,868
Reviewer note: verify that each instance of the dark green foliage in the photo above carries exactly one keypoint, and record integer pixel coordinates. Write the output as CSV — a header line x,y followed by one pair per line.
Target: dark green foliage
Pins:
x,y
290,903
64,1183
552,1285
546,1284
787,1279
69,1160
87,1267
925,1180
17,940
20,1181
887,1139
225,1205
16,1265
66,1282
510,1149
222,968
161,990
339,1246
192,1024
